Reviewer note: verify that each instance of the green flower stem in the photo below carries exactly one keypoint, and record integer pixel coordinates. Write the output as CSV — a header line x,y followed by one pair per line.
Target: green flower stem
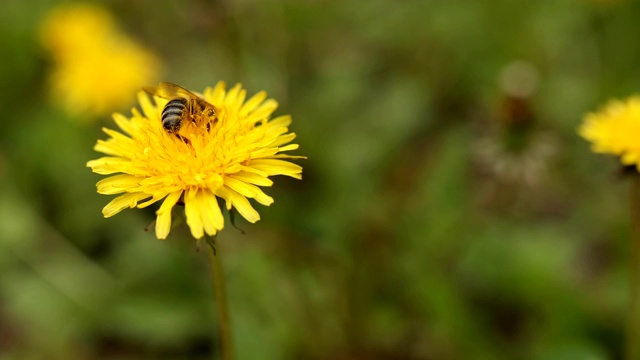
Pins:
x,y
633,325
221,302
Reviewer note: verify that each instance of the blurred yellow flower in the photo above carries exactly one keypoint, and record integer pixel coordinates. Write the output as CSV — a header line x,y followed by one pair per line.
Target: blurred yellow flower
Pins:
x,y
615,129
97,69
229,158
71,28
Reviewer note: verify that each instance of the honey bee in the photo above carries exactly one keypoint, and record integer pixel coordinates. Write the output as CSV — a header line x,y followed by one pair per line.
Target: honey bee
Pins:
x,y
183,106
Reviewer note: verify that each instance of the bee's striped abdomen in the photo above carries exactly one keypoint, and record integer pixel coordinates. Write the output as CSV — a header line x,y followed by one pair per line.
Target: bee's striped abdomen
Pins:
x,y
173,113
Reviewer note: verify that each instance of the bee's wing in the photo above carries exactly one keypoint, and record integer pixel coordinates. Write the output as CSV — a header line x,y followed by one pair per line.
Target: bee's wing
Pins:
x,y
171,91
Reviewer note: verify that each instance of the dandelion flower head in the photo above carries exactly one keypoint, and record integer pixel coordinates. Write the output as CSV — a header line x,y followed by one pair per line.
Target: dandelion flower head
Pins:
x,y
227,156
96,67
615,129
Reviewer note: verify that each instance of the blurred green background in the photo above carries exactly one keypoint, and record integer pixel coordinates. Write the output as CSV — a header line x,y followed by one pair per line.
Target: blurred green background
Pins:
x,y
448,210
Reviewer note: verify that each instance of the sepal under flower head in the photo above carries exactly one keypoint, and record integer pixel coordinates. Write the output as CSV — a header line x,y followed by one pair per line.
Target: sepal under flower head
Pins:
x,y
227,156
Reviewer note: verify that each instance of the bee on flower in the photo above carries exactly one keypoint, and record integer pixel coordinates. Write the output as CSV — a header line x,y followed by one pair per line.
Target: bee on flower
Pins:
x,y
224,147
183,106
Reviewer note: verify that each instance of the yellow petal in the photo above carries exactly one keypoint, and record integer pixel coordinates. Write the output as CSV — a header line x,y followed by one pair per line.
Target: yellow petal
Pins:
x,y
251,178
210,211
218,93
263,112
163,220
242,95
149,109
232,95
151,201
123,123
252,170
277,167
108,165
192,211
118,136
280,122
239,202
284,139
109,148
285,156
248,190
117,184
253,103
289,147
121,202
260,153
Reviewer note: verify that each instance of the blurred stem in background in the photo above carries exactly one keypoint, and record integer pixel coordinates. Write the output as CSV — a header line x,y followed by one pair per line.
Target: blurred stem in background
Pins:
x,y
219,287
633,326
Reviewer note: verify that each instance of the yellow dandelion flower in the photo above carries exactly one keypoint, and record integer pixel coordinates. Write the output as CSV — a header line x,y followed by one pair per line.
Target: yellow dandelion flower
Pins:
x,y
99,82
615,129
229,155
71,28
96,68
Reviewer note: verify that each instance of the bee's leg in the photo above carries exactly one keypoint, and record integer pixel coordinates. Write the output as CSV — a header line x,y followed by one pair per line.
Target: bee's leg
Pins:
x,y
213,119
192,110
184,139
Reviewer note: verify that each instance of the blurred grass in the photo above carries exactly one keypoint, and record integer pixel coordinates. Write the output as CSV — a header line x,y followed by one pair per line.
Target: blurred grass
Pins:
x,y
392,247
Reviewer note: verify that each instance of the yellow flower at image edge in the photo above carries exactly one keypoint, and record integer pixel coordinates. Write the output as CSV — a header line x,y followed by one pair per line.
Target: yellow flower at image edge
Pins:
x,y
229,158
615,129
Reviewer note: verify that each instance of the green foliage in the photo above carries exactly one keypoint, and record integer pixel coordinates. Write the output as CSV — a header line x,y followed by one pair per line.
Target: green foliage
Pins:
x,y
399,243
